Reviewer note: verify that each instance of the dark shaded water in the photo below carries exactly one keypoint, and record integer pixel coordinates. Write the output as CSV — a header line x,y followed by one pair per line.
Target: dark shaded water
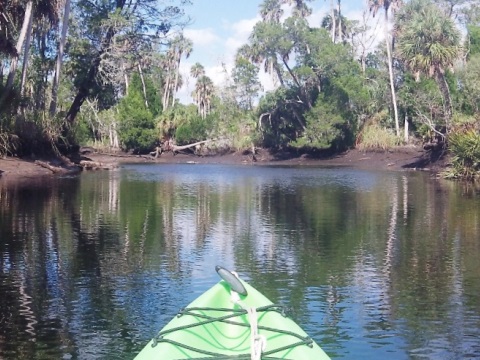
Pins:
x,y
372,264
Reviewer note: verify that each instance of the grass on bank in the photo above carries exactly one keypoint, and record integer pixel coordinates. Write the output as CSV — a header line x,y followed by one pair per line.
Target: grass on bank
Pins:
x,y
377,138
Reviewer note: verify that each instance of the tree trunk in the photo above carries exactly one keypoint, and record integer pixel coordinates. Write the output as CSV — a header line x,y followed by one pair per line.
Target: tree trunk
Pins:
x,y
87,83
26,54
176,148
406,129
177,74
390,73
334,22
447,100
144,88
300,87
89,80
166,92
339,21
58,67
125,77
14,60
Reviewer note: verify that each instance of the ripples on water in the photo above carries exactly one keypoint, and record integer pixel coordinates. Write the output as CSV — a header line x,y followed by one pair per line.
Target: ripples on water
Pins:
x,y
372,265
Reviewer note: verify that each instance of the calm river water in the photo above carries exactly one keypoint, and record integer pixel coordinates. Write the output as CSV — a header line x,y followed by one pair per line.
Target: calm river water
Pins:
x,y
371,264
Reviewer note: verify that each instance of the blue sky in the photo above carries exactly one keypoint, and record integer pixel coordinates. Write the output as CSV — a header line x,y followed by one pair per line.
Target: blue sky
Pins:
x,y
219,27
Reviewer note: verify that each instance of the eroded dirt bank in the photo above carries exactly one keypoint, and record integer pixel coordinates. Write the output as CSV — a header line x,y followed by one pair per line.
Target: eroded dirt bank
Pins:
x,y
402,159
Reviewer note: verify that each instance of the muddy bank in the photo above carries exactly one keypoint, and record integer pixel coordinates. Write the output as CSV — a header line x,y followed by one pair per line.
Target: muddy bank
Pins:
x,y
406,158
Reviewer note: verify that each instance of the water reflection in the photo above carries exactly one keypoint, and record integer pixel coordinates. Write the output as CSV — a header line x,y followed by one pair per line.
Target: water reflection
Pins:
x,y
371,264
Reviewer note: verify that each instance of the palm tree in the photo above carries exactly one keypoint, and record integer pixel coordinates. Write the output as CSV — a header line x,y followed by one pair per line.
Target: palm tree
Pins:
x,y
387,5
429,43
271,11
203,94
343,26
167,61
183,47
197,70
263,41
300,8
179,46
333,18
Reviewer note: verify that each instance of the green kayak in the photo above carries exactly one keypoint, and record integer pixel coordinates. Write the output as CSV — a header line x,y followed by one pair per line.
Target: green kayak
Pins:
x,y
232,320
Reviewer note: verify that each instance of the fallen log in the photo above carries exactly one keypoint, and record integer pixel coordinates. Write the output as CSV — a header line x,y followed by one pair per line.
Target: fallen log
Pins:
x,y
95,165
56,169
176,148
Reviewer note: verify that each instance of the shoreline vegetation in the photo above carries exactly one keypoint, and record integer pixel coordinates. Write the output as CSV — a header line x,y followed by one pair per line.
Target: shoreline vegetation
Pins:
x,y
400,159
116,80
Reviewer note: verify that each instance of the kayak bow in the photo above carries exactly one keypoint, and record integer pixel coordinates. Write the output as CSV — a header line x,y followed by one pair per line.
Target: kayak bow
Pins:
x,y
232,320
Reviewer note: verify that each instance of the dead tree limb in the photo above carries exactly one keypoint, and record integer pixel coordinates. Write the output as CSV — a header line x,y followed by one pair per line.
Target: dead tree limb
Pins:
x,y
175,148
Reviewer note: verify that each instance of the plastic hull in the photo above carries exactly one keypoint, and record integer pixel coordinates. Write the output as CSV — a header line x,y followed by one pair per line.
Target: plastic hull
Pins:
x,y
230,338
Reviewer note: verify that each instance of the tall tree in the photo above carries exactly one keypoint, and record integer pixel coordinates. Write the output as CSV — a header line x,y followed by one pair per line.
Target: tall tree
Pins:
x,y
61,49
18,48
271,11
364,38
23,13
429,43
388,5
333,21
300,8
197,70
245,78
148,24
26,55
203,94
263,42
343,26
180,46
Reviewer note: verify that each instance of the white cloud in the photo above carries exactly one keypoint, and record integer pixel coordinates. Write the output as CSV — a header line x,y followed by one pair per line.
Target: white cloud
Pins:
x,y
202,37
241,30
215,47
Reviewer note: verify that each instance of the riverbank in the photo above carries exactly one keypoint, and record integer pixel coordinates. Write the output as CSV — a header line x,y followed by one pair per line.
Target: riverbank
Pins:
x,y
404,158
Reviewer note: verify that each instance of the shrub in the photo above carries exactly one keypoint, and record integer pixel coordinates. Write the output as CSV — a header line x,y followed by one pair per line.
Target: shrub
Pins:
x,y
376,137
192,131
326,128
464,146
137,131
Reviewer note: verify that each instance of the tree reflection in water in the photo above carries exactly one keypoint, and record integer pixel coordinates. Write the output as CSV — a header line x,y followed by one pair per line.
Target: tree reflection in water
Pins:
x,y
374,264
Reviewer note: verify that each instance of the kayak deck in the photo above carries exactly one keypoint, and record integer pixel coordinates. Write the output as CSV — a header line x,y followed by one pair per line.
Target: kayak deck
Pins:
x,y
222,325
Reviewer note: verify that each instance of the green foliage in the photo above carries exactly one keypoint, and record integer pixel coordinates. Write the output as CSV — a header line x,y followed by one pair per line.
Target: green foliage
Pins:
x,y
470,81
193,130
232,127
423,103
169,121
276,118
83,132
153,94
325,128
137,128
474,40
96,128
464,146
376,137
245,77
